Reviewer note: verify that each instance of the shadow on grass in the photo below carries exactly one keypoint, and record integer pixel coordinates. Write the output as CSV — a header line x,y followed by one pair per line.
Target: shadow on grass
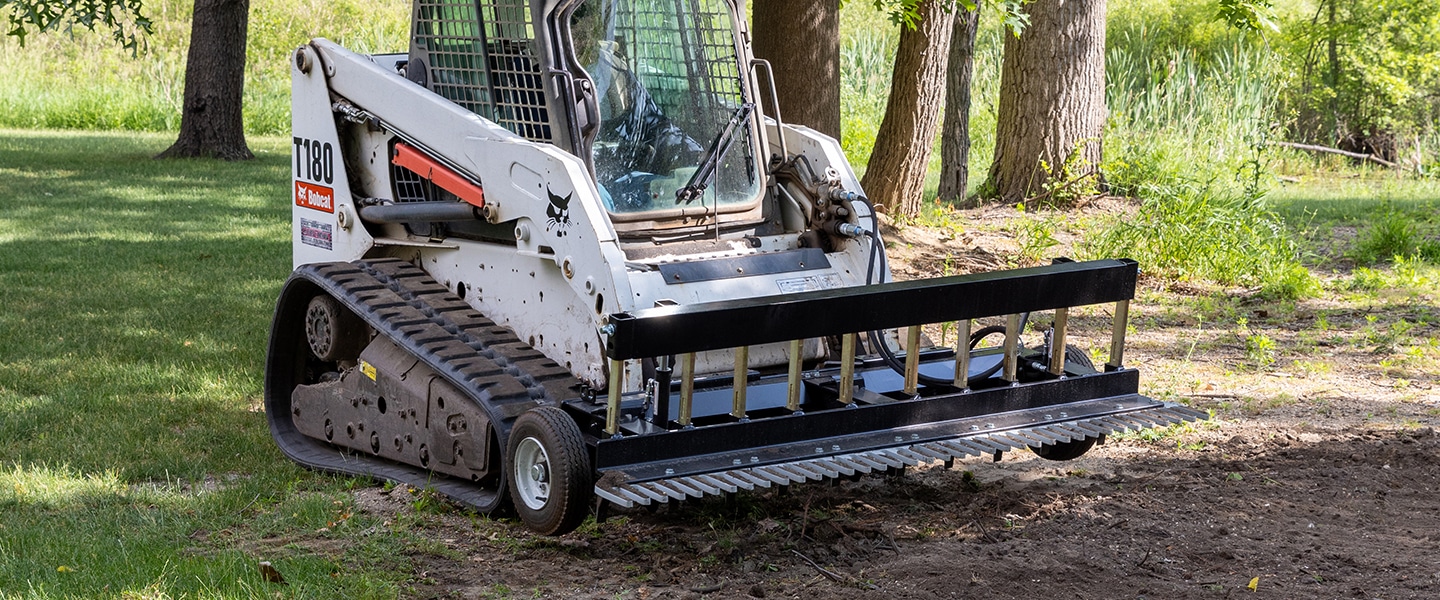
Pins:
x,y
138,296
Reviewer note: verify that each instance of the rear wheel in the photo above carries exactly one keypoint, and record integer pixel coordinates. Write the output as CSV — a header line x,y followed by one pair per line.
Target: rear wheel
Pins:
x,y
1066,450
549,471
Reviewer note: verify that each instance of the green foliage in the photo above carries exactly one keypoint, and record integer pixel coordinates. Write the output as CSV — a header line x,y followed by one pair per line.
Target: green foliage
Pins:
x,y
865,64
1036,236
1207,232
1183,115
123,20
1289,281
1073,179
1393,234
1260,349
1168,27
1362,69
1248,15
906,13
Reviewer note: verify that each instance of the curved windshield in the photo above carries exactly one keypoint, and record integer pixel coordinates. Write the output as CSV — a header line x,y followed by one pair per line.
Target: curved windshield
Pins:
x,y
668,84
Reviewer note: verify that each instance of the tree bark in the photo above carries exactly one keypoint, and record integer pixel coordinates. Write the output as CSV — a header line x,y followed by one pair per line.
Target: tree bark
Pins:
x,y
895,174
211,122
801,39
955,131
1052,98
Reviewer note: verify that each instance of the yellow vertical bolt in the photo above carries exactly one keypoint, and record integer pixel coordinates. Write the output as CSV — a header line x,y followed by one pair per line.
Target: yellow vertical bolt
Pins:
x,y
742,381
687,387
612,410
792,397
962,354
912,360
1012,347
1117,334
847,369
1057,341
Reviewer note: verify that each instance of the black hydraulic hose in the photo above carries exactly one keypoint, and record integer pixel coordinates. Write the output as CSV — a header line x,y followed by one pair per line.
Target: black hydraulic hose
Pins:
x,y
877,340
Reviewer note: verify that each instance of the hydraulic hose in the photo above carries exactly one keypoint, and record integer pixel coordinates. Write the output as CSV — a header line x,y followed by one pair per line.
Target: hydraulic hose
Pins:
x,y
877,339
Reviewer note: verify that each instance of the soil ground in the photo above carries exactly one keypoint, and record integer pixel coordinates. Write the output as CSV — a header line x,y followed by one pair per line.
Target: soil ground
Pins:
x,y
1319,477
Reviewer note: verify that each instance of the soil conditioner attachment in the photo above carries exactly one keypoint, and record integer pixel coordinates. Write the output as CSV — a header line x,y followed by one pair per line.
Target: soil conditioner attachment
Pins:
x,y
557,257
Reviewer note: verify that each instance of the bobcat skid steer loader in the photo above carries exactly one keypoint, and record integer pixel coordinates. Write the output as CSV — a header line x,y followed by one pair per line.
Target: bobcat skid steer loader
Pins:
x,y
556,256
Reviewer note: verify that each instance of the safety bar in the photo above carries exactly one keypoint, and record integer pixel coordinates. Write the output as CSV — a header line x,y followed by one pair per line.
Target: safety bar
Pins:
x,y
687,329
667,330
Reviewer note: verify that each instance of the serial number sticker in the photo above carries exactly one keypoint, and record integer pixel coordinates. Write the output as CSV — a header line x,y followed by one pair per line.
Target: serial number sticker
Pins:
x,y
317,234
314,197
809,284
368,369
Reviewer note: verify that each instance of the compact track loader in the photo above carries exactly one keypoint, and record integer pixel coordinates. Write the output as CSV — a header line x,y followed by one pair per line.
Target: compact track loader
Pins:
x,y
557,256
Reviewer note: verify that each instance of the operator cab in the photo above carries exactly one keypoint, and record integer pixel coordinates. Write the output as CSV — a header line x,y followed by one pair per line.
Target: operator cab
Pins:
x,y
676,136
663,108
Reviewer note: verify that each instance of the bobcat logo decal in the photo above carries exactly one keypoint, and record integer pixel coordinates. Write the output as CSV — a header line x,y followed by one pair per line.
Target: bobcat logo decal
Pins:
x,y
559,213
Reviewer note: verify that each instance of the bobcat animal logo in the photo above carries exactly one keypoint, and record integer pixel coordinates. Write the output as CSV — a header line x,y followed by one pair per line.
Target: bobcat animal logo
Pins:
x,y
559,213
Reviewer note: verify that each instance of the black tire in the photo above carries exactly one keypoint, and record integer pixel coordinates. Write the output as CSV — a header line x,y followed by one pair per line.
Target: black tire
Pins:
x,y
1065,451
549,472
1078,356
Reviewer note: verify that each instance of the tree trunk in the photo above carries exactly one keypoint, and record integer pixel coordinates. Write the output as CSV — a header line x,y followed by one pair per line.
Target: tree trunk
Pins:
x,y
1332,51
895,173
211,123
801,39
955,131
1052,99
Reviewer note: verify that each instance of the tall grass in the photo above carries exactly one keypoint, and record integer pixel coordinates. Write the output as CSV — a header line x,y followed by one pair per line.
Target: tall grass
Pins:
x,y
81,80
1186,136
1204,232
1177,116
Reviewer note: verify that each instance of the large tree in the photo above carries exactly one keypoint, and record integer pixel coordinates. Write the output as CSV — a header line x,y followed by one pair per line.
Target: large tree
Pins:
x,y
801,39
895,174
1052,101
211,122
955,131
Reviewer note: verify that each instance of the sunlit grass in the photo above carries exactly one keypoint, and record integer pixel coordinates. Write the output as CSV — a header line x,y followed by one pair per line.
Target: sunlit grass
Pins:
x,y
137,299
81,80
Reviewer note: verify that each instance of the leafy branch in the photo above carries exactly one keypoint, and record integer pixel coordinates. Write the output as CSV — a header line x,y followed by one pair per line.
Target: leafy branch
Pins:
x,y
123,19
906,13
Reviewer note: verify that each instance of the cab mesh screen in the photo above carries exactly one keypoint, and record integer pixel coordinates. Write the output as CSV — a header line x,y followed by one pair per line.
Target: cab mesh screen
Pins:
x,y
482,56
683,49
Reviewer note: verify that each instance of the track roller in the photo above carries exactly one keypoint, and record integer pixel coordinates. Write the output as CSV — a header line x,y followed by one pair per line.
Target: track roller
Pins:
x,y
334,332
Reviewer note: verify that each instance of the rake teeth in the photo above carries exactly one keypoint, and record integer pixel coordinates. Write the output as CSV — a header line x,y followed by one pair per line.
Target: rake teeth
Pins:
x,y
823,468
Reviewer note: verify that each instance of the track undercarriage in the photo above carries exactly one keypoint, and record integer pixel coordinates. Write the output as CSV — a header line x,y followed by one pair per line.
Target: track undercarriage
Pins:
x,y
433,391
446,370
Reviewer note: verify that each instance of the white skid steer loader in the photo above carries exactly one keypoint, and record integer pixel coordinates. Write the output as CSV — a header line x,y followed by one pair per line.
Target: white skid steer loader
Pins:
x,y
557,256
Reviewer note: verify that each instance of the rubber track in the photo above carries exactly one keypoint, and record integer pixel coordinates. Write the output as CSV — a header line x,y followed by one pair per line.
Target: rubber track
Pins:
x,y
502,374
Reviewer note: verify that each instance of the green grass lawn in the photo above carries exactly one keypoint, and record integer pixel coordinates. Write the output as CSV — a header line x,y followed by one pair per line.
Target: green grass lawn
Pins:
x,y
135,460
1363,217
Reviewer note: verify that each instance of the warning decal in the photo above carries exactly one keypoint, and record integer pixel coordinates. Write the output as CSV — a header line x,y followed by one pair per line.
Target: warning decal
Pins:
x,y
314,197
317,234
809,284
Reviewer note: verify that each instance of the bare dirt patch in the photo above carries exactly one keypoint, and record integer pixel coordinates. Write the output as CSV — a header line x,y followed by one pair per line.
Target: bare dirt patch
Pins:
x,y
1318,478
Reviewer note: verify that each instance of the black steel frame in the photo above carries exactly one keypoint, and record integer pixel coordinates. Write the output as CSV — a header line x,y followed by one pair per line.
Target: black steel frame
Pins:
x,y
670,330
